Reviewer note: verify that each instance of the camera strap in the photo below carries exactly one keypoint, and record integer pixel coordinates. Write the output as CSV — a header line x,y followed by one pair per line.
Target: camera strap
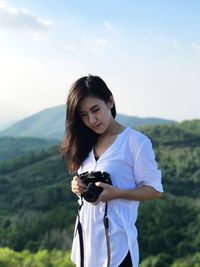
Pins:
x,y
106,225
80,233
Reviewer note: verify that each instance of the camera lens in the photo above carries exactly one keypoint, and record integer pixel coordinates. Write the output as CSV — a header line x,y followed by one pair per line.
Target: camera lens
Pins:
x,y
92,192
89,196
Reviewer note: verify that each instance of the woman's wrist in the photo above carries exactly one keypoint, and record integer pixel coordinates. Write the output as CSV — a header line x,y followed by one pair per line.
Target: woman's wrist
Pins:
x,y
138,194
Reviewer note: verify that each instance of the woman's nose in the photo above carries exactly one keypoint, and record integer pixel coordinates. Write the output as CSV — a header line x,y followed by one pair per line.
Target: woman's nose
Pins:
x,y
92,119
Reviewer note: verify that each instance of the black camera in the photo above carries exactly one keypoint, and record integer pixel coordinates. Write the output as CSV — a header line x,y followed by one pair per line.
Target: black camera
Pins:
x,y
92,191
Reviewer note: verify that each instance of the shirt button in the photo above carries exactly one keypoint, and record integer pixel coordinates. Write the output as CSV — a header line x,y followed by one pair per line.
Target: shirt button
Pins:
x,y
102,209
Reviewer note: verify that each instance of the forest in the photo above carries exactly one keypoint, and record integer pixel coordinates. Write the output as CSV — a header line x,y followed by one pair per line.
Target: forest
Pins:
x,y
38,210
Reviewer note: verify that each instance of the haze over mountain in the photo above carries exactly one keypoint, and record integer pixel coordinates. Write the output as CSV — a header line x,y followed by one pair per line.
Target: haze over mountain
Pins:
x,y
49,123
5,125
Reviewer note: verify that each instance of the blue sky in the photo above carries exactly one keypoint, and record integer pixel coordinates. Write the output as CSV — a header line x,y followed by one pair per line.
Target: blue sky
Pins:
x,y
147,51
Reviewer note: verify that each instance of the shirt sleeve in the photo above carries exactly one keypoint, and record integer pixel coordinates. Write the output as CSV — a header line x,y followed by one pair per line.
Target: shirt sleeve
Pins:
x,y
146,168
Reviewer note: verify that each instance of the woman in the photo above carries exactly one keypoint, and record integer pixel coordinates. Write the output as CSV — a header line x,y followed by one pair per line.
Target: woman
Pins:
x,y
95,141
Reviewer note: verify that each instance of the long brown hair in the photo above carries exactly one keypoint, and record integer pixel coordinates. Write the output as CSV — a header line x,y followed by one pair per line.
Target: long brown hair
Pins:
x,y
79,139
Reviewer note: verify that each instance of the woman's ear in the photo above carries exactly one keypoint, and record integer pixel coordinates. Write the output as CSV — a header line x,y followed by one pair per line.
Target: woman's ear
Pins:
x,y
111,102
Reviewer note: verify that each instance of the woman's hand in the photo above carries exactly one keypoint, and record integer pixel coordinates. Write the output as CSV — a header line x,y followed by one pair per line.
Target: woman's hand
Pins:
x,y
142,193
109,192
77,186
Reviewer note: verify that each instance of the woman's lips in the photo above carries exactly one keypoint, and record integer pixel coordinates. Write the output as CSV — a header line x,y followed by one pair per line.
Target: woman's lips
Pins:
x,y
96,126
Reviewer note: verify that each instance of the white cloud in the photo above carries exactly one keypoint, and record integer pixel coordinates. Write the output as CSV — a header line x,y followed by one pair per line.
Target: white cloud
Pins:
x,y
196,46
21,19
26,11
44,22
38,36
101,42
3,5
108,25
100,46
69,47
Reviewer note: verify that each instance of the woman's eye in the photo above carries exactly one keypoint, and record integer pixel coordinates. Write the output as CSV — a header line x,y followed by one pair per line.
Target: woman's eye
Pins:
x,y
96,109
82,115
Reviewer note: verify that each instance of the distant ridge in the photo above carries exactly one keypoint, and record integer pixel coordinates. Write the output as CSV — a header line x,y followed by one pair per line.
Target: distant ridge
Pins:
x,y
132,121
49,124
4,126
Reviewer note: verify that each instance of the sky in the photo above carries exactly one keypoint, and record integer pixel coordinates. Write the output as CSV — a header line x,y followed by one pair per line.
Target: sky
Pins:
x,y
147,51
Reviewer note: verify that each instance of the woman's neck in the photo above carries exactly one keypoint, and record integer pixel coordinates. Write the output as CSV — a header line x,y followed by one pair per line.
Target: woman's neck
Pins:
x,y
114,129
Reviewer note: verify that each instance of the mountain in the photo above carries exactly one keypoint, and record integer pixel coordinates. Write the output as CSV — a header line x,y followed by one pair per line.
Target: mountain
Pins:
x,y
12,147
38,210
4,126
49,124
132,121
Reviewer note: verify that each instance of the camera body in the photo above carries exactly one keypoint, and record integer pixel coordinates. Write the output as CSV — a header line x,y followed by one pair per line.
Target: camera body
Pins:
x,y
92,191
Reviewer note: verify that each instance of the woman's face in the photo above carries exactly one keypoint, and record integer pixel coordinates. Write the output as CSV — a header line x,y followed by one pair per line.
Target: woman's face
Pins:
x,y
96,113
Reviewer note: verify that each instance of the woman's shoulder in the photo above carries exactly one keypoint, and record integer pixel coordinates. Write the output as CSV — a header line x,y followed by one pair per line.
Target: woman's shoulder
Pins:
x,y
136,136
136,140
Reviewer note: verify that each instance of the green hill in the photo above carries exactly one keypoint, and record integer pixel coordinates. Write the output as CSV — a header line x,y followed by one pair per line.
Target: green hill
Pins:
x,y
12,147
50,123
172,135
38,210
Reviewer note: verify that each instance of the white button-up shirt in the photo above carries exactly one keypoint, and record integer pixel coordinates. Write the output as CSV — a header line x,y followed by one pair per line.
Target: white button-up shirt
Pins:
x,y
130,161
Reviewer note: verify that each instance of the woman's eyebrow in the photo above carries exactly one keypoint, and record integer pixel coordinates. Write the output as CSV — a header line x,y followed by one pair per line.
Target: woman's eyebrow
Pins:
x,y
92,108
95,106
